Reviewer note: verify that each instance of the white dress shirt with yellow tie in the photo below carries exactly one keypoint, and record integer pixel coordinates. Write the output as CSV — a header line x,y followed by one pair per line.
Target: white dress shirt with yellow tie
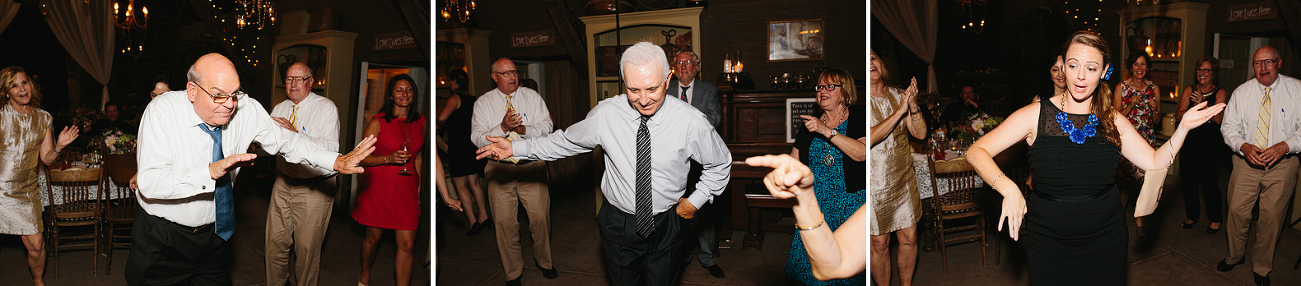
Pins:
x,y
1242,122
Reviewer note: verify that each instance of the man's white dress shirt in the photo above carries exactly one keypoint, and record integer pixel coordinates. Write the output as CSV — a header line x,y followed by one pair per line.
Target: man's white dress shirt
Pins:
x,y
173,154
1242,114
678,132
318,119
491,107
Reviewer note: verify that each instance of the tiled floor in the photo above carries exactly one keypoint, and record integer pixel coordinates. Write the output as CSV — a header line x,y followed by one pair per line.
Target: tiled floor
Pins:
x,y
1169,256
339,259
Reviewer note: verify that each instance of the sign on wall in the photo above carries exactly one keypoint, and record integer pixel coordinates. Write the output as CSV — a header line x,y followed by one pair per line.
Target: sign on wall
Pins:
x,y
1253,11
393,41
532,39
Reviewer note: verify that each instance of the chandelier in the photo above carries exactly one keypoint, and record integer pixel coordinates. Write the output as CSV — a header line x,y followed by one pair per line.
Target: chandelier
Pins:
x,y
257,13
132,26
972,14
458,8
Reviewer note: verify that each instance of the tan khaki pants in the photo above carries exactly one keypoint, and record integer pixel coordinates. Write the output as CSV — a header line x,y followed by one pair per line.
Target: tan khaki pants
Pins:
x,y
1272,188
297,217
509,186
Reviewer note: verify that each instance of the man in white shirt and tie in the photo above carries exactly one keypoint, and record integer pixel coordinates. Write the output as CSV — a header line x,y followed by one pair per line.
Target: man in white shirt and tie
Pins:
x,y
1265,137
704,97
515,112
648,140
182,235
302,197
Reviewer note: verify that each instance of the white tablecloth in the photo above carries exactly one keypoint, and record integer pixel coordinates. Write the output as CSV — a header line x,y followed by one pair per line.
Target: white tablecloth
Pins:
x,y
923,174
42,183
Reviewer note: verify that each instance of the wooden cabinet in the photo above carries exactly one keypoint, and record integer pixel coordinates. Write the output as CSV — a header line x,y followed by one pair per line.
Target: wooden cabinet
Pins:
x,y
605,37
753,125
1173,35
757,116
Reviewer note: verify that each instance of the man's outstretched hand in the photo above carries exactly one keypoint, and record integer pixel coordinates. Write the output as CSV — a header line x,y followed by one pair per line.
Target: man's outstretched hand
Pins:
x,y
221,167
500,149
347,163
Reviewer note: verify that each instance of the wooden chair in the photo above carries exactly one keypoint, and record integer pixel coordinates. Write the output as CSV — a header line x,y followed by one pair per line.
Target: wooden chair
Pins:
x,y
119,204
960,204
80,207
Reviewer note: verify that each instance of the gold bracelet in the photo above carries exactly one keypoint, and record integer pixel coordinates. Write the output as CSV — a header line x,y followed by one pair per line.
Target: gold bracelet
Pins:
x,y
797,226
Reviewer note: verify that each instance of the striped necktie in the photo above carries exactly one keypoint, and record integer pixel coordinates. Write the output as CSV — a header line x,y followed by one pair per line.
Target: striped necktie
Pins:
x,y
1262,123
512,135
644,222
293,117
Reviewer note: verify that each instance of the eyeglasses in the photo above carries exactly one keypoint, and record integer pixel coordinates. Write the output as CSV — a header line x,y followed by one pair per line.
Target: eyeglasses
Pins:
x,y
222,98
296,80
826,87
509,73
1204,70
1263,62
687,62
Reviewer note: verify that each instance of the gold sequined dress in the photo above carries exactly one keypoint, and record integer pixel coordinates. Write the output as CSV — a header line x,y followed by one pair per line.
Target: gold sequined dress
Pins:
x,y
20,141
896,203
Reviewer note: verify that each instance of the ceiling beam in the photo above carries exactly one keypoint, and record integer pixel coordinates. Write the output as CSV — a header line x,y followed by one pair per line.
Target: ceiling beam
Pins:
x,y
567,27
206,12
417,20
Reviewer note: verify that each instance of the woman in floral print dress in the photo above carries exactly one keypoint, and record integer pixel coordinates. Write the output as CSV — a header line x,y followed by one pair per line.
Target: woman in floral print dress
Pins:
x,y
1136,98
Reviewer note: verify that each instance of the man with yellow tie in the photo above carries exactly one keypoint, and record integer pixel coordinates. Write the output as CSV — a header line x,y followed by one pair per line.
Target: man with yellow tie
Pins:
x,y
515,113
1266,137
303,196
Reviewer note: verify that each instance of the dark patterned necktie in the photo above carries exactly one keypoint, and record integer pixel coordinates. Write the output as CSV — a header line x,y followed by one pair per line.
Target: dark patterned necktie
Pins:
x,y
683,95
224,199
644,222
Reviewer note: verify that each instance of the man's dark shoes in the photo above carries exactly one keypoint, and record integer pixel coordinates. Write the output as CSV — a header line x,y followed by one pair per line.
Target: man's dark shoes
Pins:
x,y
548,273
1261,280
475,229
715,271
1224,265
514,282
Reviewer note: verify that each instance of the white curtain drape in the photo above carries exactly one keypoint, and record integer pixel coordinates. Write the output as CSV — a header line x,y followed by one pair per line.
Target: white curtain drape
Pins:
x,y
8,9
915,24
86,31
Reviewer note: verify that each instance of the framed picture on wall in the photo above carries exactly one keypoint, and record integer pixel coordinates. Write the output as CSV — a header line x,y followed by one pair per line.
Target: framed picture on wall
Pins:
x,y
796,40
794,108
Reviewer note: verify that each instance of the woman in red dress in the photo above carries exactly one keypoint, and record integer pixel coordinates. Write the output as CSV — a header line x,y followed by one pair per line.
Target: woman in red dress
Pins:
x,y
390,198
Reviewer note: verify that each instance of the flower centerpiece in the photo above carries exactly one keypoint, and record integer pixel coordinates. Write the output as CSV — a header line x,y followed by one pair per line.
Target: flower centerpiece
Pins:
x,y
976,125
83,117
113,141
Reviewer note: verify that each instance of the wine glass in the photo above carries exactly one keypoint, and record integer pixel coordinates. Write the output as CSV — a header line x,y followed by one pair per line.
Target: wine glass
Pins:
x,y
406,148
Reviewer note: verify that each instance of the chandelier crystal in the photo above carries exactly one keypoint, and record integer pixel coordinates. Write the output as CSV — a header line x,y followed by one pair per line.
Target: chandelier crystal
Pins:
x,y
459,9
255,13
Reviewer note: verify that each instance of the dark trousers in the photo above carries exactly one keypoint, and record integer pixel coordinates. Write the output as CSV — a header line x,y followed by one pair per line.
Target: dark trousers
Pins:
x,y
167,253
702,225
1200,170
633,260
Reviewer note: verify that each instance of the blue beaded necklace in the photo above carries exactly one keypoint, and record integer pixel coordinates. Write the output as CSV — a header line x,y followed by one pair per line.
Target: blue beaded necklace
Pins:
x,y
1076,135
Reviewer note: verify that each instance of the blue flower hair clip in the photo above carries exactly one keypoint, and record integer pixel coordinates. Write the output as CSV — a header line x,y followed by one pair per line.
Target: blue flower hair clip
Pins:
x,y
1107,76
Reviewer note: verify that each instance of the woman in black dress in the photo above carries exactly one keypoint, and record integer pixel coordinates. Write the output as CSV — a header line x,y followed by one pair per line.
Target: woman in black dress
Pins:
x,y
1074,226
465,170
1200,166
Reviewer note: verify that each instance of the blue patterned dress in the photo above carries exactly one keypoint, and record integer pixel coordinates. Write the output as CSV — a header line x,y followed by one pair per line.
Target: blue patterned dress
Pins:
x,y
836,204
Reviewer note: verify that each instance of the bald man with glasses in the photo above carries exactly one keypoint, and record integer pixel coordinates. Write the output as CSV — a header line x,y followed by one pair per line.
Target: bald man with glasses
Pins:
x,y
182,235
